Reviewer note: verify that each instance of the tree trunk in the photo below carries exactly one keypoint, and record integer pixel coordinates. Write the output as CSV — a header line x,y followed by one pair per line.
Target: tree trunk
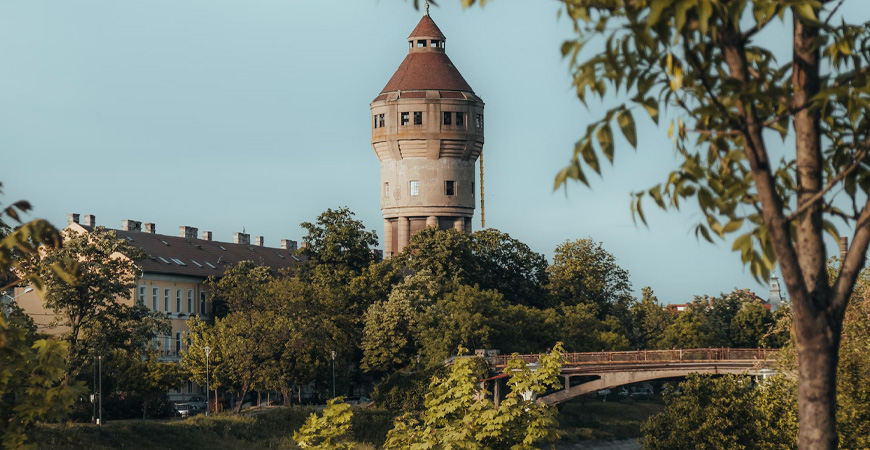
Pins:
x,y
287,395
300,394
238,408
144,407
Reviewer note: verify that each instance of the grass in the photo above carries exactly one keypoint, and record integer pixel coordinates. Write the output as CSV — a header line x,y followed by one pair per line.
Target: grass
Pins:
x,y
594,420
272,429
580,420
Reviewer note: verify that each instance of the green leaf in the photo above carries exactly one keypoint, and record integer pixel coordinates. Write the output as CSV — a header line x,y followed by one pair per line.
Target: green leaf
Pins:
x,y
655,11
652,108
806,11
605,140
626,124
705,10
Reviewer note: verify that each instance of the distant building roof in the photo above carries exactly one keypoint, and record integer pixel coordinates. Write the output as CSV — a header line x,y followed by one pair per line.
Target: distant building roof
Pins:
x,y
174,255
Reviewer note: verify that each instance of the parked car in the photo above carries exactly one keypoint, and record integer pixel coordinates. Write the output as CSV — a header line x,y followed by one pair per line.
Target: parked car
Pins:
x,y
358,400
642,393
187,409
198,401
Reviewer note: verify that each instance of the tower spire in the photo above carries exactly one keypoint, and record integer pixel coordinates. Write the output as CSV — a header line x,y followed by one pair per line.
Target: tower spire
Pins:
x,y
426,6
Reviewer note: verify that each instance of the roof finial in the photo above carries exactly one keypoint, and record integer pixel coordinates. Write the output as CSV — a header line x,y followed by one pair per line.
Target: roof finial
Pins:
x,y
426,5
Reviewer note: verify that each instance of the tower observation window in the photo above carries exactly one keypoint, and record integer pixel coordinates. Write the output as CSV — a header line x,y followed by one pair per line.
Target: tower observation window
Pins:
x,y
478,121
448,116
450,187
404,118
386,189
418,118
415,187
460,119
421,43
379,120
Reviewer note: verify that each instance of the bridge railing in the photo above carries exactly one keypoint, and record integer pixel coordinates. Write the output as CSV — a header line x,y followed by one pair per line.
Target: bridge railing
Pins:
x,y
653,356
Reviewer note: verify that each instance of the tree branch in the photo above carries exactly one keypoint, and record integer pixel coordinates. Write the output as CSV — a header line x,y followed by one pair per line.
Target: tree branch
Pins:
x,y
807,203
851,266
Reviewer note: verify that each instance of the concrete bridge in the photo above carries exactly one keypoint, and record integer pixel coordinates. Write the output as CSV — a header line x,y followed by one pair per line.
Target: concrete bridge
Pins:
x,y
613,369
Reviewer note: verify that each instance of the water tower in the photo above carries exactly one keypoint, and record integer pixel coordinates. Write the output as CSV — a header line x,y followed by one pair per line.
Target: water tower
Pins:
x,y
427,132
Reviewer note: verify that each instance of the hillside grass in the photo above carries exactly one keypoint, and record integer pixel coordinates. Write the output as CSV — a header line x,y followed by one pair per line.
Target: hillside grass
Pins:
x,y
580,420
594,420
270,429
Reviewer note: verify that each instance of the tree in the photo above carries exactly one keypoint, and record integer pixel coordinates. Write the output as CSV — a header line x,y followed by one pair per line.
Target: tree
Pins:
x,y
750,325
93,299
584,272
338,240
455,416
689,330
510,267
727,413
330,431
703,62
648,320
148,377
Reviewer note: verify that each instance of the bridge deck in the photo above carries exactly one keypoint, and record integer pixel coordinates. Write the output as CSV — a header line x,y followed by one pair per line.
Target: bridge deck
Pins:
x,y
644,357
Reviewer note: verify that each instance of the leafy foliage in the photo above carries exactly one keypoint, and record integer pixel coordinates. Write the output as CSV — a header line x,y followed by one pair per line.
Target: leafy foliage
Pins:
x,y
336,239
31,384
456,417
330,431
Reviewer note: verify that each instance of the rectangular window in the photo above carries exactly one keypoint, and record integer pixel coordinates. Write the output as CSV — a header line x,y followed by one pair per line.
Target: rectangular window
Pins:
x,y
178,301
415,187
460,119
166,344
202,302
472,189
418,118
404,118
450,187
142,290
177,342
375,121
448,118
190,301
380,120
478,121
166,293
155,305
386,189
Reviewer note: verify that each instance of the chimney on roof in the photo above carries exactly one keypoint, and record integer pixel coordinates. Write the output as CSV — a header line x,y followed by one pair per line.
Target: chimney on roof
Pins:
x,y
242,238
150,227
258,241
90,220
303,244
187,232
287,244
844,247
72,218
206,235
131,225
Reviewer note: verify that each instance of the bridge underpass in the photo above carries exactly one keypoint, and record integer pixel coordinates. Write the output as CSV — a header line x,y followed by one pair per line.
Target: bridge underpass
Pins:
x,y
614,369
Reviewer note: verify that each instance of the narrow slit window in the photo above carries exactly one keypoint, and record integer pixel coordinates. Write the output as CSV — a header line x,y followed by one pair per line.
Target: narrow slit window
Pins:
x,y
418,118
415,187
380,120
478,121
386,189
472,189
375,121
202,302
405,119
450,187
448,118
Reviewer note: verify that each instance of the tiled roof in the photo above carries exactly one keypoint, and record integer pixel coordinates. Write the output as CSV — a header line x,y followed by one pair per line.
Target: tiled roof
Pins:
x,y
426,28
422,71
200,258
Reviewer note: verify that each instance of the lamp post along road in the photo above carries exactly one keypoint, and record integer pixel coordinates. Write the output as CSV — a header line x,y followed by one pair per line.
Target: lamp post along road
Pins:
x,y
100,360
333,373
207,400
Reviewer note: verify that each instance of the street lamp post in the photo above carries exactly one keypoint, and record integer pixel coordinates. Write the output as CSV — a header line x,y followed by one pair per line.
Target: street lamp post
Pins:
x,y
333,373
12,299
207,402
100,360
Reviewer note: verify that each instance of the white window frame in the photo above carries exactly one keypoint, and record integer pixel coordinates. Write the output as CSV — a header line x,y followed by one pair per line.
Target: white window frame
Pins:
x,y
167,296
190,301
142,292
178,300
414,187
155,298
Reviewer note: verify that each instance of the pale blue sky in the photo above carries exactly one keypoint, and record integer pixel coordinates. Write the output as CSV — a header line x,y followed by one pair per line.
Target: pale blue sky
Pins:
x,y
224,114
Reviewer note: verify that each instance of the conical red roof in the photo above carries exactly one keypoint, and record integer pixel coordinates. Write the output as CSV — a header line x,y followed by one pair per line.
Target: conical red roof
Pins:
x,y
427,28
427,70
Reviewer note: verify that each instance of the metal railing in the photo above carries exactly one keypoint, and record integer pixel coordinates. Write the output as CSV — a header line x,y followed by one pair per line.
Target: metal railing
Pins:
x,y
653,356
